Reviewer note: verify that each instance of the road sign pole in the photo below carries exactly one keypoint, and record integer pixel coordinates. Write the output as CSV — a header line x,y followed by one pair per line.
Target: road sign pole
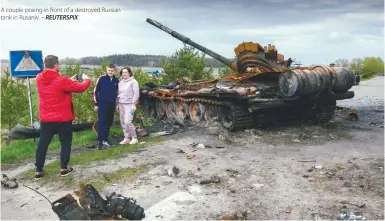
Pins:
x,y
26,63
30,101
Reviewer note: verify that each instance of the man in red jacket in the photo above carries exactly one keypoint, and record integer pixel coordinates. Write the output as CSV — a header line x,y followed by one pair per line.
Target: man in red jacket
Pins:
x,y
56,112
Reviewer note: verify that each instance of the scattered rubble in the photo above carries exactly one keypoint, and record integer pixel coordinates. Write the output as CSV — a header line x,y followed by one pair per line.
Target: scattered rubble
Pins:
x,y
190,156
351,216
214,179
173,171
8,183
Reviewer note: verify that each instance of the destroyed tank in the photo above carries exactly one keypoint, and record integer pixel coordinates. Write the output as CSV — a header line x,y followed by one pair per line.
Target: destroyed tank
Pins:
x,y
264,90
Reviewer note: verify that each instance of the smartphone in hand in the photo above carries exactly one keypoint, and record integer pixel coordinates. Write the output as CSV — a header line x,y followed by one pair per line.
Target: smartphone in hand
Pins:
x,y
79,77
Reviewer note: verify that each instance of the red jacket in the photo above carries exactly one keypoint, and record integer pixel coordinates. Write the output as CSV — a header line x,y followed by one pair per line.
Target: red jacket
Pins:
x,y
55,97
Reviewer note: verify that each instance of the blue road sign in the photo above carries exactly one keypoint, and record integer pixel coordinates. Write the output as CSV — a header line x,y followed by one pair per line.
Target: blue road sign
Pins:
x,y
26,63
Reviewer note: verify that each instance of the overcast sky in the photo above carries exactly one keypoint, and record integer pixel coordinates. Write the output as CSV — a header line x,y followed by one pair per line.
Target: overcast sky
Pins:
x,y
313,31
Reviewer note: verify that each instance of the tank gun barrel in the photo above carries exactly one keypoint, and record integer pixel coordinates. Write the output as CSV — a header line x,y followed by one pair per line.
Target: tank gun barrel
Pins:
x,y
188,41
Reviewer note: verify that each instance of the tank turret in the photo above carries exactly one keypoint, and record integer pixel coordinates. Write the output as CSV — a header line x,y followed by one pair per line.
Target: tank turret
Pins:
x,y
251,57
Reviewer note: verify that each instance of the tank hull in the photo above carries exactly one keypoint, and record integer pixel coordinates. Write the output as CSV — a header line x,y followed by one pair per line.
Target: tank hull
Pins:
x,y
248,100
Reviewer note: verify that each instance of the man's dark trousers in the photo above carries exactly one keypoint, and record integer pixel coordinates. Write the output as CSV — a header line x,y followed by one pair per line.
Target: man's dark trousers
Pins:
x,y
47,131
105,119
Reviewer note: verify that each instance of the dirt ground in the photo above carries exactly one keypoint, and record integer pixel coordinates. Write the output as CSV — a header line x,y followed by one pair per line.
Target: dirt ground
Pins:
x,y
289,172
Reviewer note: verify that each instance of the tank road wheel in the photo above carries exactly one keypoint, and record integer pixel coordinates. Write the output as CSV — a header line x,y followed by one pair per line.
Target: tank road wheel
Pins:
x,y
325,112
196,111
324,108
160,108
234,117
170,108
148,109
181,109
210,112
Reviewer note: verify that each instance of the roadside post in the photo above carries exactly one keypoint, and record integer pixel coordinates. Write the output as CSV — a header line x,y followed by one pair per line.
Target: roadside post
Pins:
x,y
26,64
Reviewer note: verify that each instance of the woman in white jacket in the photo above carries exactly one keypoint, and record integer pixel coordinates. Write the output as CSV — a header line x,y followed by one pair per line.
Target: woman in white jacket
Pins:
x,y
128,96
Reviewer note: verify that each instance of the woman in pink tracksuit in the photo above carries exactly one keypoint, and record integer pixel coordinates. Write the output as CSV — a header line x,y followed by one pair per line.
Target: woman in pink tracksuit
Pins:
x,y
128,96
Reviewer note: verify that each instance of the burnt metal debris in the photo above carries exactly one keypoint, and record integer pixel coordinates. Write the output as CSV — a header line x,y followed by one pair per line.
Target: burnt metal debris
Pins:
x,y
91,206
265,87
94,207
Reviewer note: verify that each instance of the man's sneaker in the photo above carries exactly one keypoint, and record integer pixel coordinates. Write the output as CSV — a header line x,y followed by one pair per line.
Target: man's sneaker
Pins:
x,y
66,172
109,143
106,143
38,175
134,141
100,146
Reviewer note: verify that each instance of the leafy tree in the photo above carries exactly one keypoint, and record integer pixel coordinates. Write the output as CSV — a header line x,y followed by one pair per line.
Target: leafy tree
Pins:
x,y
14,100
186,62
371,66
342,62
101,70
226,71
367,67
356,64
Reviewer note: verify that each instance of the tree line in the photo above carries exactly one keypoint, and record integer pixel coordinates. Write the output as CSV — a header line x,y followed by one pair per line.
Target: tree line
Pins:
x,y
367,67
133,60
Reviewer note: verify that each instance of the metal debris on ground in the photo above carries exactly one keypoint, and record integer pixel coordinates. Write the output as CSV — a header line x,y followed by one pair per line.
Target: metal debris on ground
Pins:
x,y
180,151
352,115
142,132
351,216
214,179
190,156
173,171
288,210
242,215
306,161
92,206
222,138
8,183
258,185
163,133
318,167
198,145
178,120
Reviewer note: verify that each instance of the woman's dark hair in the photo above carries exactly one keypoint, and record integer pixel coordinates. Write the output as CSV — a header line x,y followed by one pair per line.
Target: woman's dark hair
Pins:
x,y
128,69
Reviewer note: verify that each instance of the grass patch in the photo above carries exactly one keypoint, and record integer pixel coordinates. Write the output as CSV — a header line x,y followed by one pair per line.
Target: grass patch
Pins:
x,y
19,150
99,182
51,170
366,78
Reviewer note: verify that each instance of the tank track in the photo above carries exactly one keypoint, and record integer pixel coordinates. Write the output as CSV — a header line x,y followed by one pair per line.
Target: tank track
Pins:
x,y
232,115
241,118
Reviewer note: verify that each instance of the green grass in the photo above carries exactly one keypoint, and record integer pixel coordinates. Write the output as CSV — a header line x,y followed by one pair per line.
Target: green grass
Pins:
x,y
366,78
102,180
20,150
51,170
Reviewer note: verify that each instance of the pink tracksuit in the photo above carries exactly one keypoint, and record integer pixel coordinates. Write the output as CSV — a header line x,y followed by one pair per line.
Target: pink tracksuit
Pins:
x,y
128,96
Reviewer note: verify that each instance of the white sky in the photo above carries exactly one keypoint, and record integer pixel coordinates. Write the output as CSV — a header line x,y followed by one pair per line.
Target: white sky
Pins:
x,y
310,31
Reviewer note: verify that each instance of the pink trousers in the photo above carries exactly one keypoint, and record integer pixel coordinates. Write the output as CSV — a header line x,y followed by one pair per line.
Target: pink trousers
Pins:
x,y
126,121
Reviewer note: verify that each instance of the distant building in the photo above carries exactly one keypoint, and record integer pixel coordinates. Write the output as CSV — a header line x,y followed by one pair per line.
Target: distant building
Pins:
x,y
154,73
